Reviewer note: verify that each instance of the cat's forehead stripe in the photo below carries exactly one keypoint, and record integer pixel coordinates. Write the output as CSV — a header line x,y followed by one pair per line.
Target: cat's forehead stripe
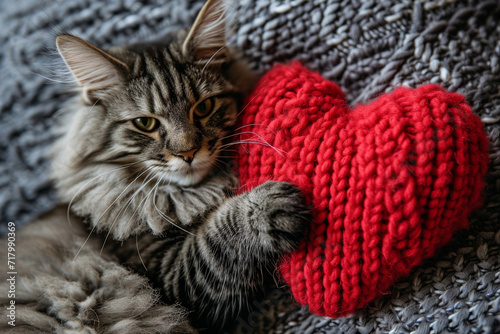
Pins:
x,y
172,82
148,93
139,64
166,75
157,98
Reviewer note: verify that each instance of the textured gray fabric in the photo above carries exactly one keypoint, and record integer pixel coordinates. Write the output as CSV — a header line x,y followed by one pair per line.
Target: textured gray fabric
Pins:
x,y
367,47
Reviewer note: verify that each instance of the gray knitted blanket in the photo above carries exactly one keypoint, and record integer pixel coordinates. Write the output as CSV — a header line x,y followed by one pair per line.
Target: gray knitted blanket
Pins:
x,y
368,47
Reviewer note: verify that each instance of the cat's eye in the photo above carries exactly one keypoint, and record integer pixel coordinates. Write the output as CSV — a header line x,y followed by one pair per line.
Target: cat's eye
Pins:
x,y
146,124
204,108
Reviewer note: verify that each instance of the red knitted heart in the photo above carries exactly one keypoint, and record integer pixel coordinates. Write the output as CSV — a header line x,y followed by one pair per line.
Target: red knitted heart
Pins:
x,y
389,181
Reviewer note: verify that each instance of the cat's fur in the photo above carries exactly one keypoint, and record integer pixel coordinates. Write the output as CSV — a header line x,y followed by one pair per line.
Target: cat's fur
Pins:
x,y
58,293
161,194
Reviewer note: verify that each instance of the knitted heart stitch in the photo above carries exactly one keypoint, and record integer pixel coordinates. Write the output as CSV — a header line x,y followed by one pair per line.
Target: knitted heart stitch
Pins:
x,y
389,182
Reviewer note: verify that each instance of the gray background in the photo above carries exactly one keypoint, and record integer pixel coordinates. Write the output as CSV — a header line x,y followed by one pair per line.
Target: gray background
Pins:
x,y
367,47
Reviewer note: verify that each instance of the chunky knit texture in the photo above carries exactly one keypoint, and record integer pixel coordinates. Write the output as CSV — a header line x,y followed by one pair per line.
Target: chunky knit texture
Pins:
x,y
368,47
389,182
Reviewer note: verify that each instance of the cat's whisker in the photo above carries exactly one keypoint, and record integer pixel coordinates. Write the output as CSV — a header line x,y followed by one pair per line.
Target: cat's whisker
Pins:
x,y
91,231
211,58
247,125
275,274
119,196
256,124
265,141
230,150
129,202
248,132
53,80
227,137
95,103
136,236
225,160
139,252
170,220
235,143
156,187
111,189
159,181
164,216
85,242
144,200
221,168
149,178
219,159
249,102
91,180
238,134
279,151
224,147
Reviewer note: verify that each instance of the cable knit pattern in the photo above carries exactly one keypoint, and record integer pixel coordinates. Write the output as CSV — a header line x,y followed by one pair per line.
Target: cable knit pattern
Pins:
x,y
367,47
389,182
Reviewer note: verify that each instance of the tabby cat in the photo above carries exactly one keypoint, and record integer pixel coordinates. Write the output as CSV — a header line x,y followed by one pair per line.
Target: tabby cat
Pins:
x,y
152,240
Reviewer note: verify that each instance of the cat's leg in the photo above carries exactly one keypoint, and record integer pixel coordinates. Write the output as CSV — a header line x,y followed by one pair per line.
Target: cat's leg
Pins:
x,y
216,270
57,291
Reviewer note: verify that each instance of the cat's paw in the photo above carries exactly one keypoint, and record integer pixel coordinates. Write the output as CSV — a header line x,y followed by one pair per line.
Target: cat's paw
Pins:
x,y
279,215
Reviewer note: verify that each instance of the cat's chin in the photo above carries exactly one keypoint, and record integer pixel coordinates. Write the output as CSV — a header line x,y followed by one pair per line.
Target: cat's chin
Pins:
x,y
187,178
181,174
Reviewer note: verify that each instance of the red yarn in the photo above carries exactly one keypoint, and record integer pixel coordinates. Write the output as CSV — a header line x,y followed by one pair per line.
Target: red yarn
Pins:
x,y
389,181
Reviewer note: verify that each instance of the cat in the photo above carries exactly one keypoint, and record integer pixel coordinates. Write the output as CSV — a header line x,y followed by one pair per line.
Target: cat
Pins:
x,y
150,237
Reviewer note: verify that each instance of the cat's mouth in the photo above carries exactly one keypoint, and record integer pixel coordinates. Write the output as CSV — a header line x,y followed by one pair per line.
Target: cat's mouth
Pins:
x,y
185,174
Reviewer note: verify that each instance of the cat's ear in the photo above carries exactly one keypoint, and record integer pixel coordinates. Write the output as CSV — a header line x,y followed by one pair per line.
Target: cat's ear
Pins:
x,y
93,68
206,41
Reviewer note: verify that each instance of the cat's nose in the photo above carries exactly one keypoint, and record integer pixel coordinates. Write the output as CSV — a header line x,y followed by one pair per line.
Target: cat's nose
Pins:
x,y
188,156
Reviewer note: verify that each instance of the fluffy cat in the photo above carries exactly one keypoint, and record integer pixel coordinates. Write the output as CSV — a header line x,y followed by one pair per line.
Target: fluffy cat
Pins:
x,y
141,159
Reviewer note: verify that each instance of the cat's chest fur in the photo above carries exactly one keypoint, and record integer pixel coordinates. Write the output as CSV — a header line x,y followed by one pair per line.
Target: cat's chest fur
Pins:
x,y
141,205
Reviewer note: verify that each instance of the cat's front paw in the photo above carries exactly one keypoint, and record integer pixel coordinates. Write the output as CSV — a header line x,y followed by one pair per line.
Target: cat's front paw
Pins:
x,y
279,215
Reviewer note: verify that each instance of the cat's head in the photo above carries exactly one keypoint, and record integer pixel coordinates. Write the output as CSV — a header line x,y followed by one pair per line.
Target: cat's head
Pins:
x,y
162,108
148,127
